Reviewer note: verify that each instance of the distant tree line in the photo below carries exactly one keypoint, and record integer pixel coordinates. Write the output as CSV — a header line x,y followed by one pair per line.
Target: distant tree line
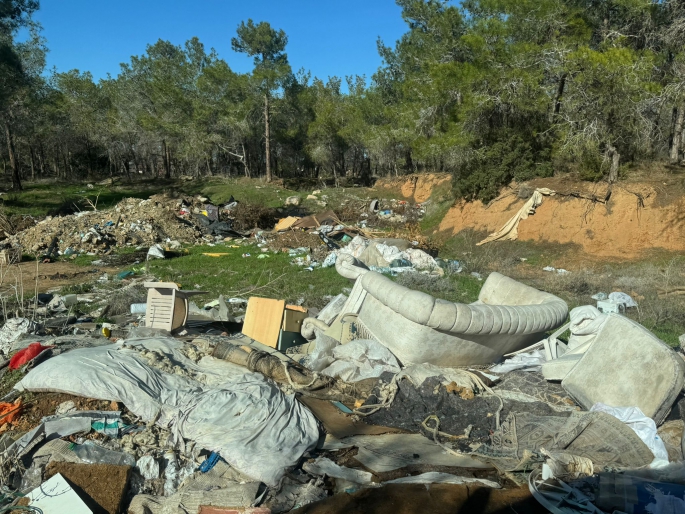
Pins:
x,y
490,90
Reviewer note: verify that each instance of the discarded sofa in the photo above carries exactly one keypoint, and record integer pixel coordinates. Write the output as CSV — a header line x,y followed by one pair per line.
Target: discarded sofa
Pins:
x,y
418,328
624,366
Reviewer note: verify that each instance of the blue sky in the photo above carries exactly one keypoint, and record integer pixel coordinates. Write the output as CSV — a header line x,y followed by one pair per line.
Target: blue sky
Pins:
x,y
327,37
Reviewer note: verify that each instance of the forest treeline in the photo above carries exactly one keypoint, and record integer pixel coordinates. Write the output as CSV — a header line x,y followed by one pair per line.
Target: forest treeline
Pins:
x,y
490,90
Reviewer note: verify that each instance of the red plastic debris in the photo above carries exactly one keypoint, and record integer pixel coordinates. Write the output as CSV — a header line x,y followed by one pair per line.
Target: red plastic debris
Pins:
x,y
27,354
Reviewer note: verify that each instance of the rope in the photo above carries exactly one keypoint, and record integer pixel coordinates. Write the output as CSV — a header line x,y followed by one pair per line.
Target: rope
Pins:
x,y
293,384
435,433
388,394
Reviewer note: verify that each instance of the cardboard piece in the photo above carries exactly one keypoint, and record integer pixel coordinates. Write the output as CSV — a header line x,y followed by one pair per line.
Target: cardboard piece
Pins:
x,y
57,497
286,223
340,425
316,220
102,487
263,320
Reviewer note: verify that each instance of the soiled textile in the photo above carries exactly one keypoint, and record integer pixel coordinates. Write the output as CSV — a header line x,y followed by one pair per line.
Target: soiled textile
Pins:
x,y
510,230
600,437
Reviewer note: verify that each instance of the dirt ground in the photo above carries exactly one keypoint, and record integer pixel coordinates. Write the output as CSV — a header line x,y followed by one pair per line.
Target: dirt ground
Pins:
x,y
40,405
50,276
436,499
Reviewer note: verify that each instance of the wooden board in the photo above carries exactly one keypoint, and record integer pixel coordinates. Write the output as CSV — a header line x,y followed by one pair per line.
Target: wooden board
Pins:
x,y
286,223
263,320
293,318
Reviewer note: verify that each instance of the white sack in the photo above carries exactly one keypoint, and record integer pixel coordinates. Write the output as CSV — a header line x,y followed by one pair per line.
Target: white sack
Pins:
x,y
643,426
361,359
254,426
622,298
356,246
420,259
322,355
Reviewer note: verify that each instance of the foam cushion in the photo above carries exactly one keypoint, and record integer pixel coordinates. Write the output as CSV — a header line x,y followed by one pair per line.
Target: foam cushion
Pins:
x,y
627,366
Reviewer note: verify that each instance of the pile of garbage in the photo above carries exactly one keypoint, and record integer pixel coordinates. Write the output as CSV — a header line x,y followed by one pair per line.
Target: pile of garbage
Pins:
x,y
253,405
132,222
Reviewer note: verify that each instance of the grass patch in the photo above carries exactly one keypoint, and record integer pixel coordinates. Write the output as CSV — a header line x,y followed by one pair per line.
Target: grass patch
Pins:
x,y
8,380
42,199
77,289
235,276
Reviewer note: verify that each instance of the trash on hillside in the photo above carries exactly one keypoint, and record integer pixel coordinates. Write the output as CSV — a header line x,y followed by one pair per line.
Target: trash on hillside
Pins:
x,y
510,229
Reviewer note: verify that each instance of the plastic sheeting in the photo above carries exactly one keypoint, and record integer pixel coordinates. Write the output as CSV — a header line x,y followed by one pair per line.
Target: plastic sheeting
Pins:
x,y
246,419
360,359
643,426
324,466
622,299
529,361
12,330
434,477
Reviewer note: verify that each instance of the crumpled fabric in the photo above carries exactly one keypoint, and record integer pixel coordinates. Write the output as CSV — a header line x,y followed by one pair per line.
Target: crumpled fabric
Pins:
x,y
255,427
586,322
643,426
360,359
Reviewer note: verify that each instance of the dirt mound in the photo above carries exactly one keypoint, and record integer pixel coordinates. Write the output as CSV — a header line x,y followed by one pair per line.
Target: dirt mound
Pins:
x,y
132,222
623,221
419,188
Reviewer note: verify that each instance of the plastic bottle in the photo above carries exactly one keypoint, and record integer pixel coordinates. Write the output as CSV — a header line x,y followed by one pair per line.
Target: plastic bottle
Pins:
x,y
91,453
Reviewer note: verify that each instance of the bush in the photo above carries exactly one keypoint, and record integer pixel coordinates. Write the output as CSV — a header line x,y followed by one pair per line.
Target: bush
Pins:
x,y
498,164
247,216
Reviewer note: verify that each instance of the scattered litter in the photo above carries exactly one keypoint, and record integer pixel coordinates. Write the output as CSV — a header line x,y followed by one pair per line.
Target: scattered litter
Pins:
x,y
324,466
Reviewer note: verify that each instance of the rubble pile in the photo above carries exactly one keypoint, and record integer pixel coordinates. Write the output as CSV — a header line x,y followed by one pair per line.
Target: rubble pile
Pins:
x,y
132,222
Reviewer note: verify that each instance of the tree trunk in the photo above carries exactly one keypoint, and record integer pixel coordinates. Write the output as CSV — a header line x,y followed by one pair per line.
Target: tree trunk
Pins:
x,y
557,99
267,136
33,164
615,157
16,180
167,159
677,143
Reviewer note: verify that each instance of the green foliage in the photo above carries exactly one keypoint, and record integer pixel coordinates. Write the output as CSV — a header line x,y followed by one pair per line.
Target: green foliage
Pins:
x,y
498,164
490,90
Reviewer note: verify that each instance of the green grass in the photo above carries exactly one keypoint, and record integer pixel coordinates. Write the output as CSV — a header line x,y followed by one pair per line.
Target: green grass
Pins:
x,y
44,198
236,276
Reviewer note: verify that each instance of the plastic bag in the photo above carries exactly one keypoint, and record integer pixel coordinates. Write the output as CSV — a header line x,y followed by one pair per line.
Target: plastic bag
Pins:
x,y
90,453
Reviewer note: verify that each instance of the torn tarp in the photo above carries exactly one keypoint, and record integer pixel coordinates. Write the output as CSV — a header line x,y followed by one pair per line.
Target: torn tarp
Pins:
x,y
254,426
